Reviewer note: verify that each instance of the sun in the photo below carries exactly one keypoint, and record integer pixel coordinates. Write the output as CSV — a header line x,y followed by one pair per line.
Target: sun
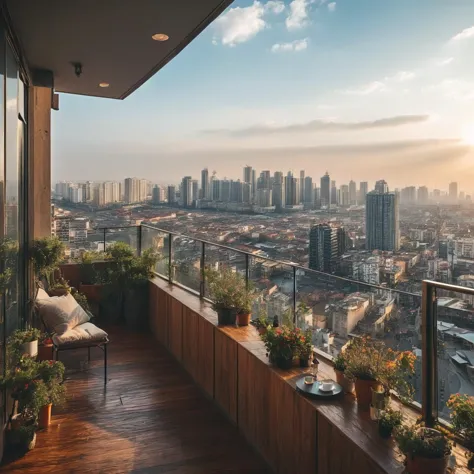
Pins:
x,y
467,134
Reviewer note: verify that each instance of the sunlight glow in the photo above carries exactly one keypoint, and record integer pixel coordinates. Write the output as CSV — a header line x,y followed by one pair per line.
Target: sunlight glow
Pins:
x,y
467,134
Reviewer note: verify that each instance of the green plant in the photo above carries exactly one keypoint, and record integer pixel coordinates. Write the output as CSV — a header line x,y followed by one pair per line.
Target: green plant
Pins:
x,y
305,344
389,420
282,342
46,254
370,359
60,284
462,417
340,362
414,441
8,256
226,289
22,336
261,323
81,299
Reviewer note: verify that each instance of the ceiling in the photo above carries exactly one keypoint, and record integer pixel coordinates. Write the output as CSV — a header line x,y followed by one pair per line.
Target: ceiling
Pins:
x,y
112,39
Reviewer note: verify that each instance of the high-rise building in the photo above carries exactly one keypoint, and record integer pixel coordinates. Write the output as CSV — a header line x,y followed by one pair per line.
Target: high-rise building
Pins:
x,y
236,194
408,195
326,245
171,194
143,190
382,219
254,184
264,197
308,198
246,192
333,193
158,194
352,193
205,184
215,189
187,191
344,196
291,190
195,190
325,191
224,190
422,195
302,187
248,174
278,191
364,189
453,192
132,190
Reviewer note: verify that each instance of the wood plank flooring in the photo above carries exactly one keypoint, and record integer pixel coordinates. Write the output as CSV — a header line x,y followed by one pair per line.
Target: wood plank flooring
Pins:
x,y
150,418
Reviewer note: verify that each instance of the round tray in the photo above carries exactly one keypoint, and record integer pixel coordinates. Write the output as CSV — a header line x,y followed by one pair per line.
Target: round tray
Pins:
x,y
313,391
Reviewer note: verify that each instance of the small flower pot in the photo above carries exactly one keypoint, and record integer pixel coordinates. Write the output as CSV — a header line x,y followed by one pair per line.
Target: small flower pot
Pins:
x,y
30,348
420,465
363,390
45,352
226,316
44,416
284,363
262,331
346,384
243,319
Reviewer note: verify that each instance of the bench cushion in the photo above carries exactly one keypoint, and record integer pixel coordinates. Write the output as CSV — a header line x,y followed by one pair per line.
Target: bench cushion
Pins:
x,y
61,313
81,335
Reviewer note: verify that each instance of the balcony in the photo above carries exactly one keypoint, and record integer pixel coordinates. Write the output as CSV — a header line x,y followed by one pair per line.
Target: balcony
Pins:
x,y
230,367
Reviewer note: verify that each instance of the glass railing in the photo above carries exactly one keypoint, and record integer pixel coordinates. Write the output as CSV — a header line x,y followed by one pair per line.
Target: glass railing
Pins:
x,y
437,326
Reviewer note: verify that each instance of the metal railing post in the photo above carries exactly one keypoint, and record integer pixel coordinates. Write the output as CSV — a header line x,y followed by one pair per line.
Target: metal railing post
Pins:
x,y
247,270
170,258
429,354
294,295
139,240
202,283
104,237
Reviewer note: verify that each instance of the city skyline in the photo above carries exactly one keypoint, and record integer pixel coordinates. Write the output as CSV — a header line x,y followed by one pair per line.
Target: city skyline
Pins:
x,y
337,87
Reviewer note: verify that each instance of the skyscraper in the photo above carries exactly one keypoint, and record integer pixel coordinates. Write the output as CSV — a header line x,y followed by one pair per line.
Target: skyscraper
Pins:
x,y
453,192
382,219
171,194
325,193
364,189
302,187
308,198
333,193
205,184
291,190
326,245
254,184
278,191
344,196
352,193
195,190
187,191
248,174
132,190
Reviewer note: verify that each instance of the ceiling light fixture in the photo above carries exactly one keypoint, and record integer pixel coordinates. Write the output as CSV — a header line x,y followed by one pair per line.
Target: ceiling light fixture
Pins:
x,y
104,84
160,37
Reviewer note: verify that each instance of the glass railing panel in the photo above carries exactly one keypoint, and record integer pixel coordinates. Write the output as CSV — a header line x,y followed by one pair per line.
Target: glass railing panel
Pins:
x,y
274,283
186,262
455,346
158,241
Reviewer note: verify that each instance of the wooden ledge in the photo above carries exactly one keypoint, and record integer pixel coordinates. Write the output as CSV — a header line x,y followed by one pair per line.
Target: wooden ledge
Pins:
x,y
293,433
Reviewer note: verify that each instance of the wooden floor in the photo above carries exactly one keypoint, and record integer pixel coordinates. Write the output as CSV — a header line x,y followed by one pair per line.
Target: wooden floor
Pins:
x,y
151,418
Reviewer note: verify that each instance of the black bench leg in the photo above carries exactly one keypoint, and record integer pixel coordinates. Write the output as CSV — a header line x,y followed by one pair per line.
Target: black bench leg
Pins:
x,y
105,364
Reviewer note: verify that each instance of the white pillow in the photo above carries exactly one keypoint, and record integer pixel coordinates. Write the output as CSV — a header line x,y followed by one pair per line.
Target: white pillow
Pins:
x,y
61,313
41,294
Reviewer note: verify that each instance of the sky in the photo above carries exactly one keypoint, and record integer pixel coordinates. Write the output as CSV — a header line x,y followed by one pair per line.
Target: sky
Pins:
x,y
363,89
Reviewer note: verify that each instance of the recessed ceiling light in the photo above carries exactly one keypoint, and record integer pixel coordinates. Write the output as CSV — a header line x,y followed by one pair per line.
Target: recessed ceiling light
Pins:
x,y
104,84
160,37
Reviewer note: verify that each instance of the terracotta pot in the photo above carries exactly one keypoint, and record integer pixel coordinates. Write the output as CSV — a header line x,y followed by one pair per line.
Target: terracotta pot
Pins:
x,y
45,352
30,348
59,292
363,391
419,465
92,292
243,319
284,363
346,384
44,416
262,331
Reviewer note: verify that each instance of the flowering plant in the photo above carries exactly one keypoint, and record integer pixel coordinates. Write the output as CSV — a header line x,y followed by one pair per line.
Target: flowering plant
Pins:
x,y
423,442
370,359
462,417
283,342
305,344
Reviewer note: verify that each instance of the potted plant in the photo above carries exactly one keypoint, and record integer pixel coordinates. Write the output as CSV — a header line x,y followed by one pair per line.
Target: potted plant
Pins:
x,y
23,438
25,342
261,324
92,278
462,417
376,368
45,348
426,450
282,344
82,300
340,368
305,349
388,421
247,298
225,289
59,287
46,254
51,389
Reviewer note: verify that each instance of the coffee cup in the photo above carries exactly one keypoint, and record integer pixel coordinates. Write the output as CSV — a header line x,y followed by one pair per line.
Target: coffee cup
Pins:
x,y
327,385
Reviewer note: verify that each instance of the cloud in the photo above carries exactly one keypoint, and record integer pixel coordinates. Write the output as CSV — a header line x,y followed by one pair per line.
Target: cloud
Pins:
x,y
465,34
323,126
297,45
454,89
370,88
239,25
402,76
332,6
298,17
444,61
